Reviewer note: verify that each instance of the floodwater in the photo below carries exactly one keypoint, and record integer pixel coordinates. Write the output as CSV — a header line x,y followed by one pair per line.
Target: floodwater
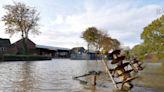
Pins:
x,y
56,76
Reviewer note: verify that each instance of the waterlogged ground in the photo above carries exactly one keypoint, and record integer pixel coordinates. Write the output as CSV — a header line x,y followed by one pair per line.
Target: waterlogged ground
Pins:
x,y
56,76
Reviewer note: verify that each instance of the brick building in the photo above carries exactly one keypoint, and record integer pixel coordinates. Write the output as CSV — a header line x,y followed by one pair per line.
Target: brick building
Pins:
x,y
17,47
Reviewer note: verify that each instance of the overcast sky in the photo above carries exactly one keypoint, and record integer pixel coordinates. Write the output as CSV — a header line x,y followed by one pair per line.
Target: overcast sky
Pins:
x,y
63,21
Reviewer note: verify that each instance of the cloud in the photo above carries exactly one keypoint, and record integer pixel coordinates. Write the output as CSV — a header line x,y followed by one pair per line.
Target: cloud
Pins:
x,y
122,20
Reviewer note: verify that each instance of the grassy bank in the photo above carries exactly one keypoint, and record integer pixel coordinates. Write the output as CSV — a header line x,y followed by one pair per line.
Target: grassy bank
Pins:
x,y
23,58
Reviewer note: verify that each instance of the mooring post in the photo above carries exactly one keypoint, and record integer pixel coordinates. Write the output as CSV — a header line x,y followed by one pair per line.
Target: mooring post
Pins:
x,y
94,80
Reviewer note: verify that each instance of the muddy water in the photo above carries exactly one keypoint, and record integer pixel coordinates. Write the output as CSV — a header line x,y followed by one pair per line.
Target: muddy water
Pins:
x,y
56,76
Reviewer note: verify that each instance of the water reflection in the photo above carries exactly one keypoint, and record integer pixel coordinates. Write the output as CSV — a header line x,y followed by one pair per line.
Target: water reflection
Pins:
x,y
56,76
26,84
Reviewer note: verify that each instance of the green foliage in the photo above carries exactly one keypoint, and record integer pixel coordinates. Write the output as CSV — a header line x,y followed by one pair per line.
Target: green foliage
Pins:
x,y
139,51
90,35
153,35
126,52
153,45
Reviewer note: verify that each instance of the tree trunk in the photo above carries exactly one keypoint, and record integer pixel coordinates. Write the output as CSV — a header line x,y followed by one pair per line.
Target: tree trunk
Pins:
x,y
24,46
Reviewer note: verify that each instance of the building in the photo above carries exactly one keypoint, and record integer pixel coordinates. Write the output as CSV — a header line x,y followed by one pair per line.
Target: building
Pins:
x,y
79,53
18,48
33,49
78,50
55,52
4,46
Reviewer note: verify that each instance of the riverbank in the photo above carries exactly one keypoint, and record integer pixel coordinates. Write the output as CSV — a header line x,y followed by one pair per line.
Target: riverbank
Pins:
x,y
24,58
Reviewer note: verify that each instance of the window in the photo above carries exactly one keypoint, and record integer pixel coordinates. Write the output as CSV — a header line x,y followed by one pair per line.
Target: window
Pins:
x,y
2,49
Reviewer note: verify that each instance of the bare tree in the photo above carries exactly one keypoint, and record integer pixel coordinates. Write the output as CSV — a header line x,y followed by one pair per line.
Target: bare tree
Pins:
x,y
22,19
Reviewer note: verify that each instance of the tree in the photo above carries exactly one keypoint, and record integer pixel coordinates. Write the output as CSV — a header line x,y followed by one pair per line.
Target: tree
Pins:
x,y
107,43
126,51
153,35
22,19
90,35
100,40
139,51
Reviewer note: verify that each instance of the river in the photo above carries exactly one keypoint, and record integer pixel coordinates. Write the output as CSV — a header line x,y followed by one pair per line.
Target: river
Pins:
x,y
56,76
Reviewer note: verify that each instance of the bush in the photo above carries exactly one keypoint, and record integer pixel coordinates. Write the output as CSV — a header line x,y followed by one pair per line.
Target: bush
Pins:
x,y
25,57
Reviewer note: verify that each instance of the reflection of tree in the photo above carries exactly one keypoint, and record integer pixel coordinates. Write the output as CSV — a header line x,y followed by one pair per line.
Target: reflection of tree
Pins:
x,y
27,82
28,78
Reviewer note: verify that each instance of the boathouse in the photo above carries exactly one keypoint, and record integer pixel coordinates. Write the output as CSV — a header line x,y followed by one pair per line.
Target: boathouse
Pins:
x,y
54,52
33,49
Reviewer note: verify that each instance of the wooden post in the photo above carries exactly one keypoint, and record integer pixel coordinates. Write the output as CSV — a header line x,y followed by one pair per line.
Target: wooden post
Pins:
x,y
94,80
109,73
133,67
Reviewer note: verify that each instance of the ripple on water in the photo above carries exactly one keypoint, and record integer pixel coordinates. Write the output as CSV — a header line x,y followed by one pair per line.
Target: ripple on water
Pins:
x,y
56,76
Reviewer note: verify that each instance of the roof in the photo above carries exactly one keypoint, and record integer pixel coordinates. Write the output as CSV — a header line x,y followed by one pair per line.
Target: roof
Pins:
x,y
4,42
78,48
51,47
22,40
